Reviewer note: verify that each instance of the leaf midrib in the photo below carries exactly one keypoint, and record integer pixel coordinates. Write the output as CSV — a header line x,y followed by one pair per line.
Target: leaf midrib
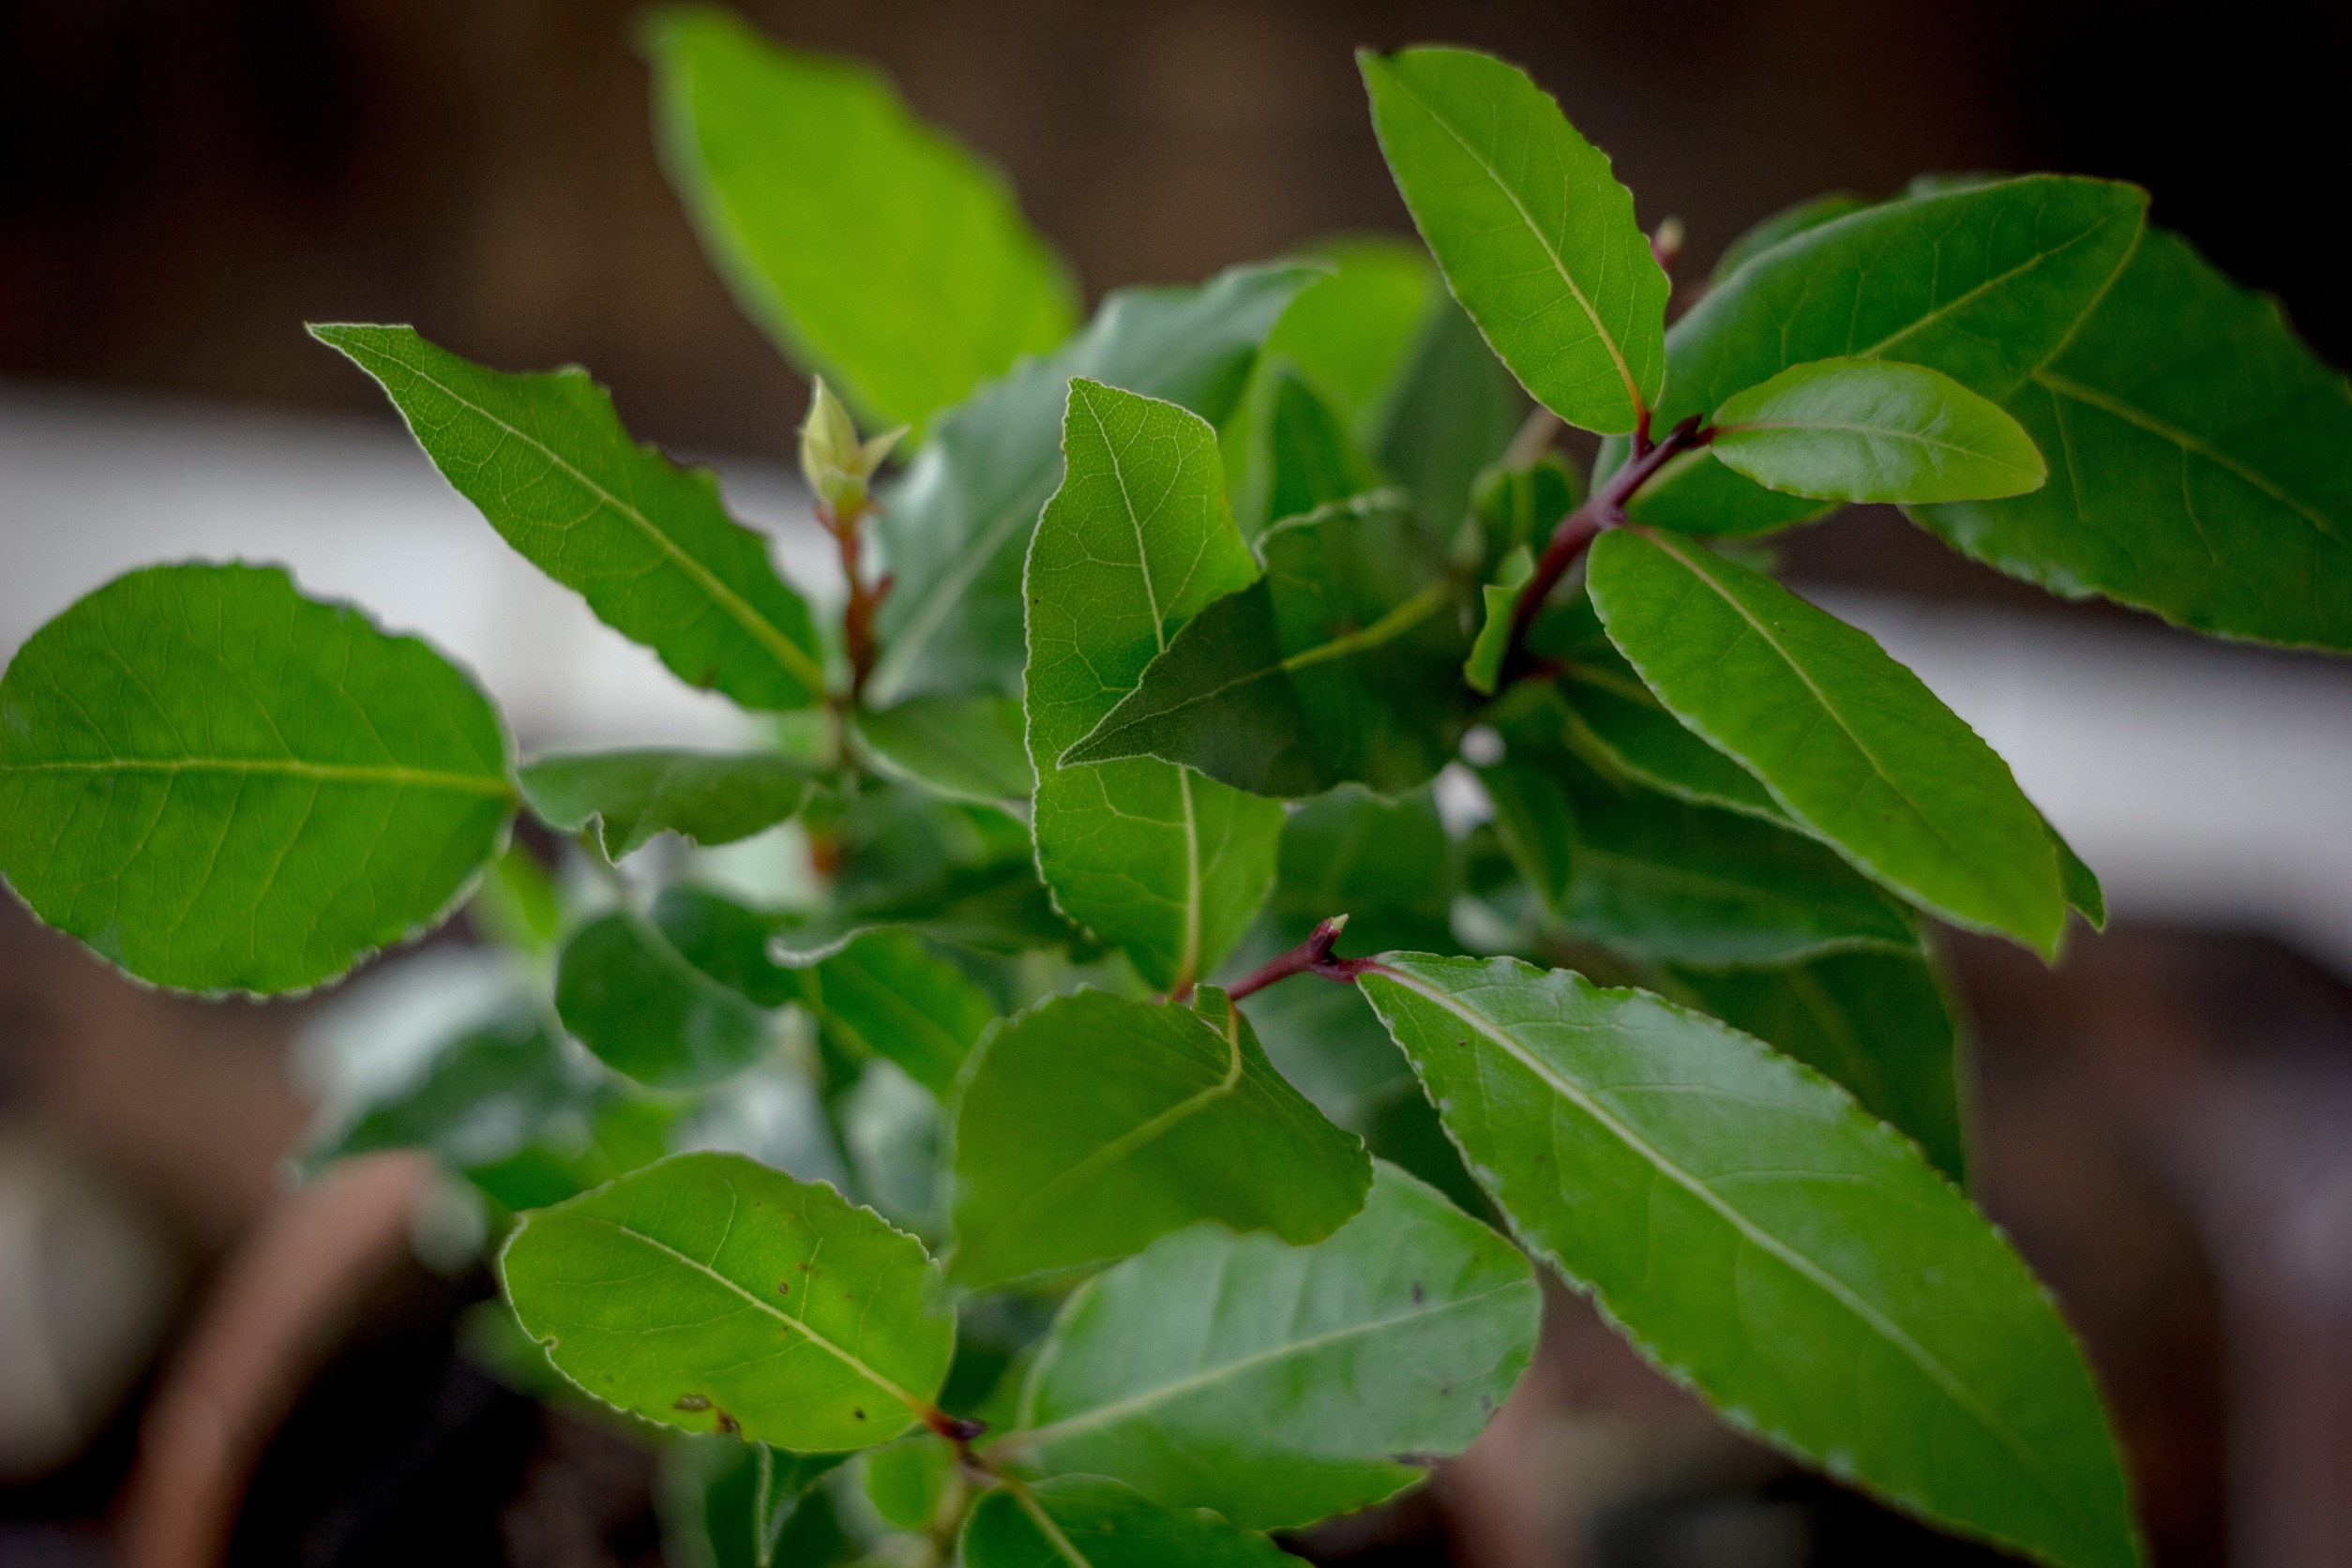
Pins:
x,y
1887,433
763,631
1828,1284
1208,1377
845,1357
1617,355
336,773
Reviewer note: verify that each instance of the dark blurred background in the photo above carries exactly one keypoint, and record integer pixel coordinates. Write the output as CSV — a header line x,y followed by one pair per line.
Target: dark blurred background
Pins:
x,y
184,182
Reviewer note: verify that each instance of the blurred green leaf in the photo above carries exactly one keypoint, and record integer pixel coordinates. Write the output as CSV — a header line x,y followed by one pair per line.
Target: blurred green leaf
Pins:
x,y
708,797
1453,415
883,993
221,785
1483,671
868,244
629,995
1090,1521
972,747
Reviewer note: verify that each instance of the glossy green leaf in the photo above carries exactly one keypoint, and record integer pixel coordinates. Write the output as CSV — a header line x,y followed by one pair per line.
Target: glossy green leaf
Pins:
x,y
221,785
1851,745
1875,430
709,1292
1452,415
969,747
868,244
647,544
2196,446
709,797
957,529
1278,1384
1536,236
1656,876
1483,671
1828,1292
1786,224
1092,1521
885,994
1090,1124
1877,1023
629,995
1153,858
1982,282
1336,666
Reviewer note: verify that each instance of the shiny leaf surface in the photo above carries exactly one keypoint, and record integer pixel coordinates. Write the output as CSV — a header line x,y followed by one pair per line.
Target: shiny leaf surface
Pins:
x,y
632,796
1867,429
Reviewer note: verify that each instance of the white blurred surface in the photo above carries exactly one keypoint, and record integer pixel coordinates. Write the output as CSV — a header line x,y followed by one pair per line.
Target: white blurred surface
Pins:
x,y
2207,784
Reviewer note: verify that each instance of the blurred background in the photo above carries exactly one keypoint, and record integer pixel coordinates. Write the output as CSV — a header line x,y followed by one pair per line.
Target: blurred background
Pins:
x,y
2165,1118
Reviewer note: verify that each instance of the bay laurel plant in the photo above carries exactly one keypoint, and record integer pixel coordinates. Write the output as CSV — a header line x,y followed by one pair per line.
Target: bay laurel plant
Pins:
x,y
1136,1124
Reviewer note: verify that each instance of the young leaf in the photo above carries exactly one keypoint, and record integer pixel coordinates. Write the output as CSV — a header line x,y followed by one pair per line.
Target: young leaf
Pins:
x,y
221,785
1786,224
634,795
1090,1521
1482,669
1852,746
1877,1023
1090,1124
868,245
1451,417
1869,429
1536,236
885,994
1656,876
1335,667
969,747
1165,863
1828,1290
1279,1384
957,529
2196,447
709,1292
648,545
1982,282
627,994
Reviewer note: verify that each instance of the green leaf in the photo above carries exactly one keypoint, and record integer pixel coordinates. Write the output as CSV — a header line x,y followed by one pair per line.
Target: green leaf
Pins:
x,y
1386,864
1851,745
709,1292
1870,430
908,1481
1877,1023
1090,1521
885,994
515,906
747,1505
956,528
2196,447
1656,876
1337,666
708,797
1279,1384
1982,282
647,544
1310,458
1483,671
868,244
630,996
1536,236
726,942
616,1129
1451,417
969,747
480,1094
221,785
1828,1290
2077,881
1786,224
1353,334
1153,858
1090,1124
956,871
1518,507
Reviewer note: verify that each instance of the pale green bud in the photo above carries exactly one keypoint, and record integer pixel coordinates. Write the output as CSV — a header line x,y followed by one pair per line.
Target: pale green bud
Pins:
x,y
836,464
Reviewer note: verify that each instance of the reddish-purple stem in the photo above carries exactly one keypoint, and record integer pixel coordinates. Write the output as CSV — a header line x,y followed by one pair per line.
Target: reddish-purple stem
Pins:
x,y
1311,957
